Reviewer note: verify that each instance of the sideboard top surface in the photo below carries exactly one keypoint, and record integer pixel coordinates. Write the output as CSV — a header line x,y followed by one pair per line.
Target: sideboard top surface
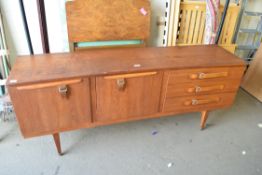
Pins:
x,y
49,67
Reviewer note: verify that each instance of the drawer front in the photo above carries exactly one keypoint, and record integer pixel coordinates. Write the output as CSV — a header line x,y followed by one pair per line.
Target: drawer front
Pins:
x,y
47,107
198,103
201,88
205,74
127,95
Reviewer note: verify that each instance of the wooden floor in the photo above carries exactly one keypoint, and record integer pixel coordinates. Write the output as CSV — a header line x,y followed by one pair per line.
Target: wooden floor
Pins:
x,y
231,144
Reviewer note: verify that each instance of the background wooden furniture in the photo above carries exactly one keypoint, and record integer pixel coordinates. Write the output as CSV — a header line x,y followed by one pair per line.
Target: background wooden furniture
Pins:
x,y
189,27
252,80
60,92
111,20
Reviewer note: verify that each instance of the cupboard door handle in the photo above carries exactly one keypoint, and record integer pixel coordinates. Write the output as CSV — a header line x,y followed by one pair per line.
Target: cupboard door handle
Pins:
x,y
208,75
48,85
195,102
133,75
63,90
199,89
121,84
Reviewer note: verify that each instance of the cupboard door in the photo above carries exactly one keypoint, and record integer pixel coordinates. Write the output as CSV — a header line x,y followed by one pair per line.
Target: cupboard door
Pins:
x,y
45,108
127,95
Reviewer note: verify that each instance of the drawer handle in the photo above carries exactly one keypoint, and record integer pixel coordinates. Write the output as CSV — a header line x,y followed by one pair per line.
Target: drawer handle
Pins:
x,y
121,84
199,89
63,90
208,75
195,102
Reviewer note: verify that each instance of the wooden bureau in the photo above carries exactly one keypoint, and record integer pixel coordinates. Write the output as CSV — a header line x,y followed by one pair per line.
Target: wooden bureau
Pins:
x,y
59,92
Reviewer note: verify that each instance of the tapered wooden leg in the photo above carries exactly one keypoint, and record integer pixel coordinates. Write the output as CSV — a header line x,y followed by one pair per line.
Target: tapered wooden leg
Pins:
x,y
204,115
57,143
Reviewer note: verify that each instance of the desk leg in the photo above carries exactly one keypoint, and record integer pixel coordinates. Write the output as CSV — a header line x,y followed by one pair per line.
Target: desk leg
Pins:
x,y
204,115
57,143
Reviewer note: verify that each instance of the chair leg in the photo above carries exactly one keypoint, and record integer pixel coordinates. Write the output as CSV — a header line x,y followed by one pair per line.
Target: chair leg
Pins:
x,y
57,143
204,116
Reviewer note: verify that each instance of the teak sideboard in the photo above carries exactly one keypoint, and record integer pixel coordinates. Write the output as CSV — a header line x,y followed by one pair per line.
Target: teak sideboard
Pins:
x,y
59,92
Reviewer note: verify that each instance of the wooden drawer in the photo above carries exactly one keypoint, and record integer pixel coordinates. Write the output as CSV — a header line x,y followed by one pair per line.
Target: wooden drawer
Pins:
x,y
47,107
198,103
204,74
127,95
201,88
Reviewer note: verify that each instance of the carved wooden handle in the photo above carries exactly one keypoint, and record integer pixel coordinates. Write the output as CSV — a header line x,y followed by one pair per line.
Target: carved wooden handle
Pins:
x,y
198,89
63,90
121,84
48,85
133,75
208,75
195,102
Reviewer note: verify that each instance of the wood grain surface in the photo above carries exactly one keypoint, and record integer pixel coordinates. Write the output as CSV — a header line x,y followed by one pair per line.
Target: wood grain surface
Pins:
x,y
205,74
100,20
201,102
46,110
50,67
140,97
198,88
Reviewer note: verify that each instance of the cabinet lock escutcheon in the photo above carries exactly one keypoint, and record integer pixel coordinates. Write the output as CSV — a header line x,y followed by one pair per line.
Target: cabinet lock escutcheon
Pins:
x,y
121,84
63,90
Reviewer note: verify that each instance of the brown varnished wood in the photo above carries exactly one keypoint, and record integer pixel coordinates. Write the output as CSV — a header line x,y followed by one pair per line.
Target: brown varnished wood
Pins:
x,y
204,102
121,120
204,116
202,75
140,97
95,123
205,89
61,92
200,87
50,84
56,138
52,67
164,89
134,75
46,110
191,75
101,20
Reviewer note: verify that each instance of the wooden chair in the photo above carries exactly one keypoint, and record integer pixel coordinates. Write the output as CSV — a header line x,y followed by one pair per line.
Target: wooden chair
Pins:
x,y
107,23
191,22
